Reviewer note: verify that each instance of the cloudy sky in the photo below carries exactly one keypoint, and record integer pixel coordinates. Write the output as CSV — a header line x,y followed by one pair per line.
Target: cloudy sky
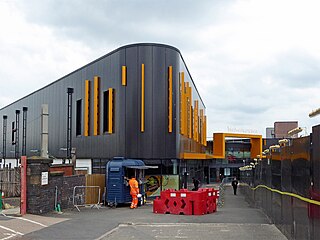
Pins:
x,y
253,62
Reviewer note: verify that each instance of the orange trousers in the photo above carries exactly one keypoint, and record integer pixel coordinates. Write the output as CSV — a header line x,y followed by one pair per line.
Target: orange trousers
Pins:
x,y
134,202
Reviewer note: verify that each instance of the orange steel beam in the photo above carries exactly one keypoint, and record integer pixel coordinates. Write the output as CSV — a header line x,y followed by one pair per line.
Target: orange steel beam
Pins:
x,y
219,143
142,98
170,100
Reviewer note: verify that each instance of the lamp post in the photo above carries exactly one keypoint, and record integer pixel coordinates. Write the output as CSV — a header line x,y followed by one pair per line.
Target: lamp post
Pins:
x,y
314,113
294,131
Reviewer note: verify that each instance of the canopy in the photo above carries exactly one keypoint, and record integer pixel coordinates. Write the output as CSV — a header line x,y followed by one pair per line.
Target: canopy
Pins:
x,y
141,167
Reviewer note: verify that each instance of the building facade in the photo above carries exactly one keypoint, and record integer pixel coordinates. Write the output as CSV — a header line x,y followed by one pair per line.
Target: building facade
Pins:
x,y
281,129
138,101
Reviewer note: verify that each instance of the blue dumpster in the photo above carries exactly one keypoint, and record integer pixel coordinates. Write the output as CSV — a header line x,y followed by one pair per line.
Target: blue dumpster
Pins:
x,y
118,171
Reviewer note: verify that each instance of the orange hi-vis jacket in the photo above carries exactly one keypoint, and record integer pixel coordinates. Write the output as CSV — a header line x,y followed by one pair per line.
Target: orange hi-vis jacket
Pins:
x,y
134,187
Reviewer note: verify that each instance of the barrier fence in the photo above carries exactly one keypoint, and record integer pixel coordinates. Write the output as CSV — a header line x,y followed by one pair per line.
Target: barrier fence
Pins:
x,y
286,185
185,202
79,196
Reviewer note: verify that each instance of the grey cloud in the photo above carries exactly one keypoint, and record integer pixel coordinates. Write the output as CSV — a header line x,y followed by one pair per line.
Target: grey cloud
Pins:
x,y
103,22
298,70
293,70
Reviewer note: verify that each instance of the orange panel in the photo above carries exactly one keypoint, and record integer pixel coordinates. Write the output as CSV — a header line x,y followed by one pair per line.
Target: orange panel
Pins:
x,y
219,143
186,99
201,127
124,76
96,100
170,100
196,156
110,113
142,98
196,122
182,104
190,113
205,131
86,108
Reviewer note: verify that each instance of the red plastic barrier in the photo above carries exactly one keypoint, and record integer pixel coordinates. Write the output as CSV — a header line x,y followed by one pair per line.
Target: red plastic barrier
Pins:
x,y
186,202
159,206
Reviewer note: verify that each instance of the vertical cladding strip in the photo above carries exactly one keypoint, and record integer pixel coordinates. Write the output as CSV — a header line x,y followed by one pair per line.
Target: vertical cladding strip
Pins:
x,y
86,108
195,131
201,126
182,111
205,131
124,76
96,100
142,97
170,100
190,113
110,113
187,119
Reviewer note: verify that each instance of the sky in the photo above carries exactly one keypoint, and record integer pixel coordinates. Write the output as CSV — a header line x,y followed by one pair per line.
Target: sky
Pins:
x,y
254,62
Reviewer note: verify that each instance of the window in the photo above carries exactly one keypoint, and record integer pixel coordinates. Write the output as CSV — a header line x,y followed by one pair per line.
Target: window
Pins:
x,y
78,117
108,111
13,134
99,166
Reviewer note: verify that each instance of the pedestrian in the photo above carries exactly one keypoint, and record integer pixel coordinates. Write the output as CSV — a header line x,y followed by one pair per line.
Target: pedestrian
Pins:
x,y
235,185
134,191
196,183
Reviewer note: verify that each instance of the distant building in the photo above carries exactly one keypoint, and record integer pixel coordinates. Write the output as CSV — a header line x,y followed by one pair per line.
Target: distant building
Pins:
x,y
281,128
269,132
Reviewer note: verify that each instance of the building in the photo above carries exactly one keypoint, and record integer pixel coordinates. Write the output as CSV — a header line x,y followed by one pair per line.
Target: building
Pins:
x,y
281,129
138,101
269,132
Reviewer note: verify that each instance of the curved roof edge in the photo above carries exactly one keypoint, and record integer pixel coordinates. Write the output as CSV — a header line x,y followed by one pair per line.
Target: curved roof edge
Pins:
x,y
106,55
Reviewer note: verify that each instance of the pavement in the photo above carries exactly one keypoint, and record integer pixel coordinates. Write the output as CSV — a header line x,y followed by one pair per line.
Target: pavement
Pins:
x,y
235,219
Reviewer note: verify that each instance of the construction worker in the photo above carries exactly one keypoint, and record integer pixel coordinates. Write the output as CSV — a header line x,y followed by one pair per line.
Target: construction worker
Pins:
x,y
134,191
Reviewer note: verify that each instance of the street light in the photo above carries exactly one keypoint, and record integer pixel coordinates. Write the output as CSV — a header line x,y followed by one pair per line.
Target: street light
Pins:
x,y
295,131
274,147
314,113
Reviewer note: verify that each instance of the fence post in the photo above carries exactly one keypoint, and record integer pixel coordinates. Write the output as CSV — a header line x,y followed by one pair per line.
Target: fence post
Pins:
x,y
23,201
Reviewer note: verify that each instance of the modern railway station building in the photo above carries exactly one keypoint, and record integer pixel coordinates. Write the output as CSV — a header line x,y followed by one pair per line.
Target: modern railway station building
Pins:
x,y
138,101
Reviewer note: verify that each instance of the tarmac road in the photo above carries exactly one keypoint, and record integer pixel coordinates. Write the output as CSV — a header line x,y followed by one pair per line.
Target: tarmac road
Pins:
x,y
235,220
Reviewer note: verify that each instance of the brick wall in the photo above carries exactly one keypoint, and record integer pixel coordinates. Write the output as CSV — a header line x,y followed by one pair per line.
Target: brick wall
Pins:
x,y
66,168
41,198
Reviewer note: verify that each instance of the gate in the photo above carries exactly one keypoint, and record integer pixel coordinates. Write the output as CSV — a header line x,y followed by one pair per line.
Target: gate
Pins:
x,y
10,182
92,194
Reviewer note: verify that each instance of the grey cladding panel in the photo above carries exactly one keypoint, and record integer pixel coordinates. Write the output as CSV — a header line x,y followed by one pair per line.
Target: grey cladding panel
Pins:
x,y
146,138
121,103
160,102
172,143
132,103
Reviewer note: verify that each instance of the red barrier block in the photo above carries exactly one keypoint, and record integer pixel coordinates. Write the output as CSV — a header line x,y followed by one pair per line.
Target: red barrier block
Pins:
x,y
197,200
159,206
186,202
178,203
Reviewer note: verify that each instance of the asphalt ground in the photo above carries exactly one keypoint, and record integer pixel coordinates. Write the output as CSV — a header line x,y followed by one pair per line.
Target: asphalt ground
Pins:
x,y
235,219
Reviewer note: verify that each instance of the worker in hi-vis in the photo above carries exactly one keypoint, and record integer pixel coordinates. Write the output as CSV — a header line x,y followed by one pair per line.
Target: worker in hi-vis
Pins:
x,y
134,191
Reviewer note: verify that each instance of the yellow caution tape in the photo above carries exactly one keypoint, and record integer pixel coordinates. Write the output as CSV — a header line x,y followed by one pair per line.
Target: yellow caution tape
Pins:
x,y
288,194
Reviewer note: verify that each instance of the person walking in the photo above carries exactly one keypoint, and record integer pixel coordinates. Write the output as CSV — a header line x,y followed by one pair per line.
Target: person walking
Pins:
x,y
235,185
196,183
134,191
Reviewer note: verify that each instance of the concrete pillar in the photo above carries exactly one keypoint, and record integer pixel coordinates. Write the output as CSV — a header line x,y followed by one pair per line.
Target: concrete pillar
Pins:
x,y
175,166
44,130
